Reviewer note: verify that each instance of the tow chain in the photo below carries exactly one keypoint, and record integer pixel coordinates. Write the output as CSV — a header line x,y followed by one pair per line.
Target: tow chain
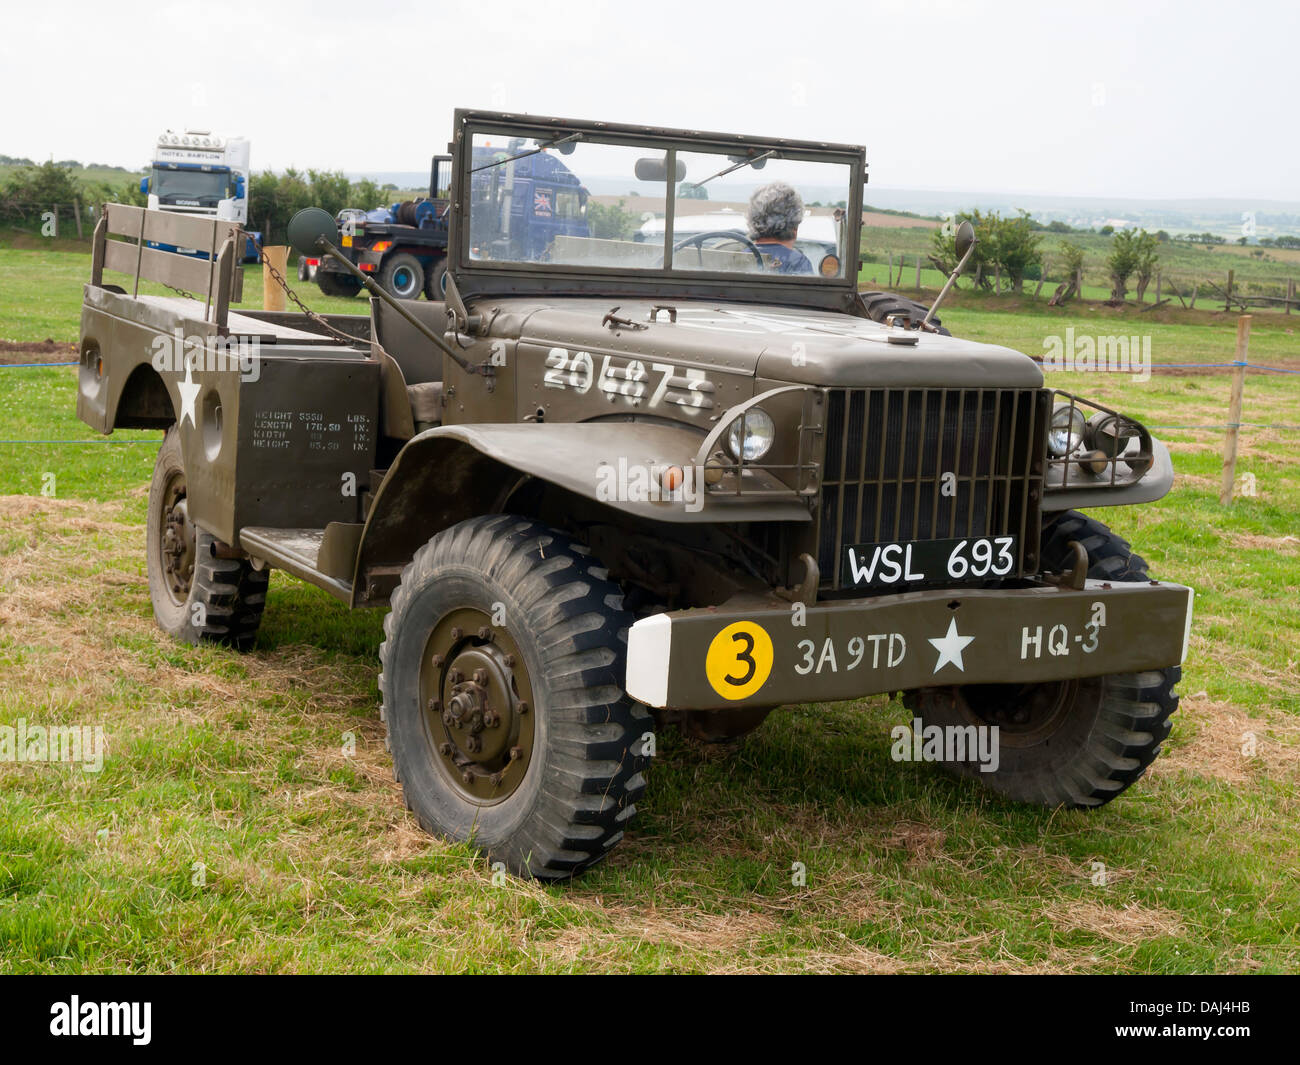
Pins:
x,y
335,334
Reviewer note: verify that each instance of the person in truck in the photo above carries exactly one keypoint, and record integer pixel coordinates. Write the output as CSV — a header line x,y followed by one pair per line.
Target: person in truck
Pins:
x,y
773,217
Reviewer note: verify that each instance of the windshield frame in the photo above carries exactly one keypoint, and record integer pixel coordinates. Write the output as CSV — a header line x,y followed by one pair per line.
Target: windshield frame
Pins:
x,y
480,277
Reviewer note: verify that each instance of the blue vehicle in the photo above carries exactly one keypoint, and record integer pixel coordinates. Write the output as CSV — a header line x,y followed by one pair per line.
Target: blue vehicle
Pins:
x,y
405,244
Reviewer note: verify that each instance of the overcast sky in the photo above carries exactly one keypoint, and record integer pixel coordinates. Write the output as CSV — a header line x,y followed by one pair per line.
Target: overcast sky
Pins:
x,y
1138,99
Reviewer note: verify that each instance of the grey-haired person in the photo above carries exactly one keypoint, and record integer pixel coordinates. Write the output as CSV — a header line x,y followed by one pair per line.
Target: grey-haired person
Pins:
x,y
774,214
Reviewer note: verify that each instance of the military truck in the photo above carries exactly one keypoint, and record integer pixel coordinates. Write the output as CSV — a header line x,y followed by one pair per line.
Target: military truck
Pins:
x,y
607,486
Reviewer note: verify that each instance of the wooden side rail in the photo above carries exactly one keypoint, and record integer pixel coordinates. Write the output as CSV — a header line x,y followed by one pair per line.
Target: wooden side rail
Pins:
x,y
218,276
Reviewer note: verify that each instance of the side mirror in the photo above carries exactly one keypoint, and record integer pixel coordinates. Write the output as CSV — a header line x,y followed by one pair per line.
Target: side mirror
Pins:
x,y
310,226
965,239
656,169
144,184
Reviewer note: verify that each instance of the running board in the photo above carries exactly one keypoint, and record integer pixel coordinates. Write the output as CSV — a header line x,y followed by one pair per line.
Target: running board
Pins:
x,y
323,557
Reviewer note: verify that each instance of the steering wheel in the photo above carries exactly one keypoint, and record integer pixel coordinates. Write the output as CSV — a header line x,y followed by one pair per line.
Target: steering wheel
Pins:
x,y
729,234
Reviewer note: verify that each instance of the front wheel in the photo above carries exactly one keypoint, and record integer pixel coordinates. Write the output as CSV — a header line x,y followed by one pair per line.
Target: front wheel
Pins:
x,y
502,673
1076,743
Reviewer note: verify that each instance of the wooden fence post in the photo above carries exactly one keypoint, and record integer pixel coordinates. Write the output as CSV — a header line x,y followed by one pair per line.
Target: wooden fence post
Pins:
x,y
889,277
76,215
1078,282
1234,411
1191,305
997,279
1227,296
1290,293
1159,278
277,255
1042,276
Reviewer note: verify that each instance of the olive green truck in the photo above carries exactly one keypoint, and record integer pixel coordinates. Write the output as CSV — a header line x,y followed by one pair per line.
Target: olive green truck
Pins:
x,y
616,481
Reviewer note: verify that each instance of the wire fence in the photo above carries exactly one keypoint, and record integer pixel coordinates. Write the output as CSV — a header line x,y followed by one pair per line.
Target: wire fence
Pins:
x,y
1238,364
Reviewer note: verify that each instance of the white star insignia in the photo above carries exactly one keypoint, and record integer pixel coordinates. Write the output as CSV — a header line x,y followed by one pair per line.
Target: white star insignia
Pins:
x,y
950,647
189,389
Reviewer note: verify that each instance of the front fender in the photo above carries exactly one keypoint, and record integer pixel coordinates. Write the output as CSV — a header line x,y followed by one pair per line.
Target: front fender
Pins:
x,y
453,472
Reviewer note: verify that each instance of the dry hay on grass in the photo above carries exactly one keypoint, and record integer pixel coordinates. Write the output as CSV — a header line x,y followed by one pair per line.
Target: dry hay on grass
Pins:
x,y
1128,924
1278,545
1219,731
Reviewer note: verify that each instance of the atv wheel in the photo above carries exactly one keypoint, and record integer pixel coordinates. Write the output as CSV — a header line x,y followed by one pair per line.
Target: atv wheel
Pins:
x,y
333,284
402,276
881,305
1075,743
304,271
196,596
502,672
435,282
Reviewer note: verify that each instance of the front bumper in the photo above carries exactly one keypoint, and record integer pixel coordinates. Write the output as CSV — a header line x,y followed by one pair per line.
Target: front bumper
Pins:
x,y
736,656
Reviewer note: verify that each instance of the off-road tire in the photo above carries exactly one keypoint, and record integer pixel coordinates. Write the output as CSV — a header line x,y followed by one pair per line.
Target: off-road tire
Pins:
x,y
1109,728
335,284
880,305
304,271
566,619
402,276
435,282
225,597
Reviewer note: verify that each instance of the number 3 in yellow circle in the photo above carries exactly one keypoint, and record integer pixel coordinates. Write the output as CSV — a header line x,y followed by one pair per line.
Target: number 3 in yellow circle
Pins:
x,y
739,660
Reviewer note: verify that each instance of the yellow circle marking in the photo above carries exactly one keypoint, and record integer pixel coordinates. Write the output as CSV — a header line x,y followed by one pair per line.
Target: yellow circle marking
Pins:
x,y
739,660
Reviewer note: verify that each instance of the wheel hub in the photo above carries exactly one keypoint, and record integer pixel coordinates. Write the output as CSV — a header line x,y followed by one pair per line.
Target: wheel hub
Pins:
x,y
477,699
179,550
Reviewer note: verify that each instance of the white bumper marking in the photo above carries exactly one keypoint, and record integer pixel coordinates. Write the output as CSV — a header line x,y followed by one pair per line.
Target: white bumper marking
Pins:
x,y
648,645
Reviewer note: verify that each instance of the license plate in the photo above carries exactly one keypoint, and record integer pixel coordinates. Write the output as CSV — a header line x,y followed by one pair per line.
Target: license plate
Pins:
x,y
887,565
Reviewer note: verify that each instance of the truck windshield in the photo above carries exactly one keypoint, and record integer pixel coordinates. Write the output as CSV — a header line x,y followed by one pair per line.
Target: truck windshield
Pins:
x,y
592,203
196,188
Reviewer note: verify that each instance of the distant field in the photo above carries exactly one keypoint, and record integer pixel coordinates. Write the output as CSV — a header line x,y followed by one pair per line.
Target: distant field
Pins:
x,y
1182,262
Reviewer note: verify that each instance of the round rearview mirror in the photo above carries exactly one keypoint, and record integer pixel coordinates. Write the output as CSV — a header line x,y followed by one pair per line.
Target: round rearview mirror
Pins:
x,y
965,239
308,227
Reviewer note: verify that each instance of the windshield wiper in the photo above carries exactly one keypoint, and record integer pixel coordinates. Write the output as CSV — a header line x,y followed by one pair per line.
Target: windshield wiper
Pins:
x,y
737,166
525,155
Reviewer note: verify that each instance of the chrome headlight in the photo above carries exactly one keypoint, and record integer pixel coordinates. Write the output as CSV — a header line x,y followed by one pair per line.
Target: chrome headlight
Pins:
x,y
1065,432
759,432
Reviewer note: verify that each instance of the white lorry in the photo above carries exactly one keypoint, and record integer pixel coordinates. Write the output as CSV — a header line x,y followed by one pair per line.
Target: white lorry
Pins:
x,y
197,173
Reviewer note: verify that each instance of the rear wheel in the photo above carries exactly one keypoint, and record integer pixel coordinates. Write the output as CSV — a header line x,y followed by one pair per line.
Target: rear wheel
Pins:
x,y
1076,743
435,281
402,276
332,284
502,671
196,596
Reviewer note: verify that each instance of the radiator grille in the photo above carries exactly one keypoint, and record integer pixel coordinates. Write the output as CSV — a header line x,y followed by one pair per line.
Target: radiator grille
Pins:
x,y
889,454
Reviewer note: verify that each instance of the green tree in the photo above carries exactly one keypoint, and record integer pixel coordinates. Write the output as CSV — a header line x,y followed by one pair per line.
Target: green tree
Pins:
x,y
610,221
1015,247
1121,262
1145,260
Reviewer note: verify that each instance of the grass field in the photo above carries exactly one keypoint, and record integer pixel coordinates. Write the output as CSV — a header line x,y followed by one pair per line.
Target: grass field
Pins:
x,y
235,828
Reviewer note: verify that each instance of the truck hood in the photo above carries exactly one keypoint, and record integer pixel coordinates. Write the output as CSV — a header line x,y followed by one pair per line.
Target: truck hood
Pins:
x,y
776,343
